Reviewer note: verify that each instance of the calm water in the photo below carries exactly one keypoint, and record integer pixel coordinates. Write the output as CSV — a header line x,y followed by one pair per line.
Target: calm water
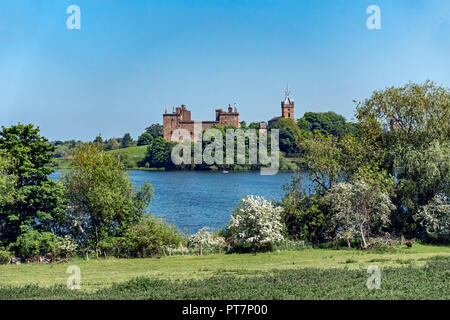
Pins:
x,y
197,199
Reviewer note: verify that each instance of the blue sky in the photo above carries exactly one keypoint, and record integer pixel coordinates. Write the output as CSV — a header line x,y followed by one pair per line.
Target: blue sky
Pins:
x,y
133,59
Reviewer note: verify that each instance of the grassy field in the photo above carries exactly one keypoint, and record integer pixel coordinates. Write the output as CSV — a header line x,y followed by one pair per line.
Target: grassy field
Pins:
x,y
308,273
134,155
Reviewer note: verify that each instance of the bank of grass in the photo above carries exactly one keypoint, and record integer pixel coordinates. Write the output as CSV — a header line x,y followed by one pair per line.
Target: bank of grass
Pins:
x,y
132,155
98,274
431,281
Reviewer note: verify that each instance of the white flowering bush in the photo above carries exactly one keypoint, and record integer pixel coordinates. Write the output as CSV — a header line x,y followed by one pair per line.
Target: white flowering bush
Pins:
x,y
256,221
358,209
435,218
204,238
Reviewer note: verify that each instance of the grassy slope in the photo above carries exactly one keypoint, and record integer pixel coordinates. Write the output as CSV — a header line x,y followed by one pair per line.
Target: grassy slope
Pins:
x,y
134,154
102,273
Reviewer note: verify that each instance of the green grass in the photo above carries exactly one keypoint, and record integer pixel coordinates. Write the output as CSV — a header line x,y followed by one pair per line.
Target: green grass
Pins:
x,y
133,154
431,281
176,270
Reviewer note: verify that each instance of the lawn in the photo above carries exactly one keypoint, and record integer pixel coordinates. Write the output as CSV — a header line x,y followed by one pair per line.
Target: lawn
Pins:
x,y
242,270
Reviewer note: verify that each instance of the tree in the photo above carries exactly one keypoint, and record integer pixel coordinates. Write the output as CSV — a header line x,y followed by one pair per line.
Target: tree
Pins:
x,y
8,182
144,139
204,238
303,215
159,153
98,139
98,187
38,200
328,123
112,144
289,135
330,160
416,123
127,141
156,130
257,222
359,209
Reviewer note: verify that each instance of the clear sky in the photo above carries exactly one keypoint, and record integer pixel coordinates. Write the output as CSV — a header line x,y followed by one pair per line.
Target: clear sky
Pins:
x,y
132,59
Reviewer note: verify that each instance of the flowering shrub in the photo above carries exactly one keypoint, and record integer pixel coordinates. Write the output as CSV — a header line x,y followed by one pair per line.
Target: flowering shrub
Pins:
x,y
358,209
435,218
257,222
204,238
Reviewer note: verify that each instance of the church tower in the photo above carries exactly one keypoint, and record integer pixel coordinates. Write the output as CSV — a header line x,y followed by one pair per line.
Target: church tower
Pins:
x,y
287,106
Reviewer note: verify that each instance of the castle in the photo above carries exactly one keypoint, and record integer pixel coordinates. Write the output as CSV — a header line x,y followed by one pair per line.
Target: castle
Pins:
x,y
287,108
180,118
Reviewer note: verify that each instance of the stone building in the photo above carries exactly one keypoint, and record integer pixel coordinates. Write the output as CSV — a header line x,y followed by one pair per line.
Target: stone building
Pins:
x,y
180,118
287,109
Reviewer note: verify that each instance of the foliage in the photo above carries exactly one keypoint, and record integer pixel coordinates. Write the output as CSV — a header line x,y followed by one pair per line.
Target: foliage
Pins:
x,y
159,153
303,216
257,222
156,130
8,182
358,209
327,123
434,217
98,187
289,135
145,139
416,125
204,238
127,141
5,256
330,160
38,200
112,144
32,245
148,238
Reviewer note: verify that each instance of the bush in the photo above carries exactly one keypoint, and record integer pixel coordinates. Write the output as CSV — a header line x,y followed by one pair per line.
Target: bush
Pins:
x,y
205,239
435,218
257,222
149,237
34,245
5,256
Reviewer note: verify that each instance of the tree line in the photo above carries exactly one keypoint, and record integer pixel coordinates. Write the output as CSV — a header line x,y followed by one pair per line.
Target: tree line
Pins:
x,y
384,178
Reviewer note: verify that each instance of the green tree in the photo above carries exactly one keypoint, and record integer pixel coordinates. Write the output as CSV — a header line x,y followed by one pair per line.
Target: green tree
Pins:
x,y
156,130
159,153
328,123
145,139
127,141
39,200
98,186
8,182
415,119
98,139
112,144
303,215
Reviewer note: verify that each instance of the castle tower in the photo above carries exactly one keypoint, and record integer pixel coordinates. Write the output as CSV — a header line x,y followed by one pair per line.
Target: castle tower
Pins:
x,y
287,106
